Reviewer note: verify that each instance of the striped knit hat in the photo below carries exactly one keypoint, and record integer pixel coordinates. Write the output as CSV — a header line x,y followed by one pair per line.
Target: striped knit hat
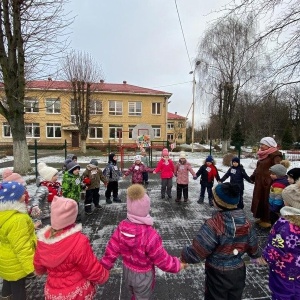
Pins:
x,y
226,195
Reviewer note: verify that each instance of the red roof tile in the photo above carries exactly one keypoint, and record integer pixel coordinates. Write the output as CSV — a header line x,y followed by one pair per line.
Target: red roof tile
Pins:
x,y
101,87
175,116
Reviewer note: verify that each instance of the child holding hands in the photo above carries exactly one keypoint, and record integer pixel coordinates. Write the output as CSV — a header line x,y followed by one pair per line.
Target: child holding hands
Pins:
x,y
64,253
166,168
140,246
182,170
222,241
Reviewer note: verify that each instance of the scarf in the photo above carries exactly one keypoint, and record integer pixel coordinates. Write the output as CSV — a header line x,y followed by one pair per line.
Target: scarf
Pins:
x,y
212,173
148,220
262,154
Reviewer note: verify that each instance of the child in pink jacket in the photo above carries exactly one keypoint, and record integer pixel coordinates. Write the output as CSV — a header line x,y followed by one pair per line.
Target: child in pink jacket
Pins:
x,y
182,170
137,170
64,253
166,168
140,247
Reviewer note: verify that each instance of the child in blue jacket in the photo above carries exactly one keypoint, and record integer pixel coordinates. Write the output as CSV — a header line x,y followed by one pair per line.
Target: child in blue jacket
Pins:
x,y
237,175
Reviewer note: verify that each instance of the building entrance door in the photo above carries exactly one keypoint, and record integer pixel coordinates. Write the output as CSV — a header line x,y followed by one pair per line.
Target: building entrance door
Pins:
x,y
75,139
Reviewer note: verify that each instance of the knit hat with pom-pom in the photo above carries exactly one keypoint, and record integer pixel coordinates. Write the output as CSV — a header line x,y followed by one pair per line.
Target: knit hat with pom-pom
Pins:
x,y
46,172
138,205
8,175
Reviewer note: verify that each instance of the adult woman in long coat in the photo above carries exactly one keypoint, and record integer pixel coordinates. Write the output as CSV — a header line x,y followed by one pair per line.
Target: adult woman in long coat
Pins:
x,y
268,155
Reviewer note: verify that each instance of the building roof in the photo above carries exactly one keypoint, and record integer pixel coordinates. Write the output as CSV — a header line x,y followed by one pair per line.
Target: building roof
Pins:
x,y
123,88
175,116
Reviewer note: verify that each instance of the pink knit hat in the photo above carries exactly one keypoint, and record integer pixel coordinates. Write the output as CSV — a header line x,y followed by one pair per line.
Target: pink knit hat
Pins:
x,y
165,152
8,175
63,212
138,205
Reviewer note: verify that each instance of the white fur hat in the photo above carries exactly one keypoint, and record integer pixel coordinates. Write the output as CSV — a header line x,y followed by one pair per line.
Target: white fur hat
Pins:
x,y
268,141
46,172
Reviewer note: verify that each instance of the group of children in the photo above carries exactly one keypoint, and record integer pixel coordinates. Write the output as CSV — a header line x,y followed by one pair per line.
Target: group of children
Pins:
x,y
221,241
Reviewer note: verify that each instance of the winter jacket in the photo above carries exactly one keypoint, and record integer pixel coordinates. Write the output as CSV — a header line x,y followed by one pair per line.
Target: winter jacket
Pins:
x,y
182,172
237,176
137,171
275,196
166,168
71,186
44,196
17,241
71,266
95,175
223,240
203,172
283,250
140,247
40,199
112,172
262,183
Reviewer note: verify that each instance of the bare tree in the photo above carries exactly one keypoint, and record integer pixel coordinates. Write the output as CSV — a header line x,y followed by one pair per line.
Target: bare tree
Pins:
x,y
280,22
83,72
29,33
227,67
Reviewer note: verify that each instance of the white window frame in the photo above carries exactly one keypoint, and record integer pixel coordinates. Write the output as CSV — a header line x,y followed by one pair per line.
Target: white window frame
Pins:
x,y
96,107
170,125
130,129
156,108
170,137
31,105
53,106
157,131
54,127
30,130
116,129
180,136
96,128
133,110
180,124
6,128
115,108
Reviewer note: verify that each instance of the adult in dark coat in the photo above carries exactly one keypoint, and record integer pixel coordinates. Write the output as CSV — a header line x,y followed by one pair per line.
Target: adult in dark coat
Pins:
x,y
268,155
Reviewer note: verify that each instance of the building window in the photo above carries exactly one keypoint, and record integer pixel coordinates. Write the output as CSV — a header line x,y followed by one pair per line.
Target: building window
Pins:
x,y
157,131
53,106
156,108
53,130
96,132
96,107
115,131
170,137
170,125
115,108
130,128
6,130
31,105
179,136
32,129
180,124
135,108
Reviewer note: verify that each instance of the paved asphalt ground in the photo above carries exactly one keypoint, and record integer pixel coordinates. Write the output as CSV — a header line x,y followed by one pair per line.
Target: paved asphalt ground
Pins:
x,y
177,224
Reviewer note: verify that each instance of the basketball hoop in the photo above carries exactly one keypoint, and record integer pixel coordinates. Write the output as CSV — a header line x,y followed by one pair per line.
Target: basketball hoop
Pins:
x,y
143,134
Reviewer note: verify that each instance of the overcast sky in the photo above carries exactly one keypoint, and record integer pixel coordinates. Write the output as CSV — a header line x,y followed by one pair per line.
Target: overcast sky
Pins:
x,y
140,41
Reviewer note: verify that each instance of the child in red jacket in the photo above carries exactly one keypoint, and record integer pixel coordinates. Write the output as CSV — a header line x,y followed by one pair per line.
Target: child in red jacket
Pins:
x,y
74,271
166,168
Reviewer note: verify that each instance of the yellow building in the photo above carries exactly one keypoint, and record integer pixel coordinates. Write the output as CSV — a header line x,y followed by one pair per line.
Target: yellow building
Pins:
x,y
114,111
176,128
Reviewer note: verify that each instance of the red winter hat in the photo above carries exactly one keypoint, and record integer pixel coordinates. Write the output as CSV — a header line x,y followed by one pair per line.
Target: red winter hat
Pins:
x,y
63,212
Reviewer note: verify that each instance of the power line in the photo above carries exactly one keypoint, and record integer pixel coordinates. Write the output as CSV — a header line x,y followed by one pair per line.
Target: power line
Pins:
x,y
187,51
155,87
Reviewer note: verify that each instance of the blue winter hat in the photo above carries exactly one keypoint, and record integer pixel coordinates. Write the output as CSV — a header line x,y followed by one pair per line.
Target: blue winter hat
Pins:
x,y
227,195
235,159
209,158
11,191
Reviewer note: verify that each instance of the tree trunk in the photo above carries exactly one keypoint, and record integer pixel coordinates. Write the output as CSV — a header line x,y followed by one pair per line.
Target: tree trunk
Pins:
x,y
224,146
83,145
21,157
